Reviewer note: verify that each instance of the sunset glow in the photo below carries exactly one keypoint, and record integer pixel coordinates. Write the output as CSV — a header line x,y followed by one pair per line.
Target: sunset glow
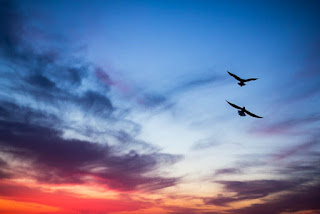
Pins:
x,y
119,107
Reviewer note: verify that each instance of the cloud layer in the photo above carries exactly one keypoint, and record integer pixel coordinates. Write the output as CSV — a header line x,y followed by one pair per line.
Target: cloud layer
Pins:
x,y
41,86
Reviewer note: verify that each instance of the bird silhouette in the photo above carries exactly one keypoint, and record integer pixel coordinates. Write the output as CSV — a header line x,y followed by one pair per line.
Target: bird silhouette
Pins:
x,y
241,81
243,111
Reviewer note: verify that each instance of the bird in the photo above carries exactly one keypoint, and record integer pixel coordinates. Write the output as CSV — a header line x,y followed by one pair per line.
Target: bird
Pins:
x,y
243,111
242,81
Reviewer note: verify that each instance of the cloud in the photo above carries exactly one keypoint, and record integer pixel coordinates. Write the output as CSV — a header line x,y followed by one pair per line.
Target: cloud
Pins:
x,y
298,190
95,103
198,81
290,151
305,83
41,81
165,99
204,144
3,169
295,191
67,202
183,210
254,189
53,81
305,199
227,171
46,75
10,26
41,86
309,169
286,126
57,160
152,100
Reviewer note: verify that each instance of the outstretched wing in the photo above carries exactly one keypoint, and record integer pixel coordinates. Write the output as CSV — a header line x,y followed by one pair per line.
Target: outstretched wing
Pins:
x,y
233,105
252,115
235,76
247,80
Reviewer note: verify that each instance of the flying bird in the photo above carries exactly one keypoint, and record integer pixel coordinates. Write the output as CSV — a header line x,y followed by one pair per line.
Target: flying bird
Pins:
x,y
241,81
243,111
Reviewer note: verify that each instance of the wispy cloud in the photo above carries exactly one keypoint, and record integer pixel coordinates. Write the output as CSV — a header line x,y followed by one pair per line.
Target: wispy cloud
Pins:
x,y
305,199
291,151
227,171
57,160
289,125
254,189
198,81
305,83
205,144
165,98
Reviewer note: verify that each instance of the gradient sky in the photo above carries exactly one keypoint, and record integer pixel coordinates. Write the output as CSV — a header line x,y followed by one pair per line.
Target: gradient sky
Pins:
x,y
119,107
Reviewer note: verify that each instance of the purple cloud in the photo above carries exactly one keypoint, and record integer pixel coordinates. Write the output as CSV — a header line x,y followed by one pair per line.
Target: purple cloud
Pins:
x,y
286,126
254,189
58,160
290,151
227,171
306,199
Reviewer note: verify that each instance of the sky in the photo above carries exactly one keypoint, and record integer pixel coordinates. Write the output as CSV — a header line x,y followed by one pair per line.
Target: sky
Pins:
x,y
119,107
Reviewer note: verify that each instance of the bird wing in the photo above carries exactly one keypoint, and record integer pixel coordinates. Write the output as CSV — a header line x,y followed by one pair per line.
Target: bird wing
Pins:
x,y
247,80
233,105
252,115
235,76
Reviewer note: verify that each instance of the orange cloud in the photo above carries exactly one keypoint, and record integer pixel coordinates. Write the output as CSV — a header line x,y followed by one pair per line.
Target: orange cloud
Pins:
x,y
12,207
22,197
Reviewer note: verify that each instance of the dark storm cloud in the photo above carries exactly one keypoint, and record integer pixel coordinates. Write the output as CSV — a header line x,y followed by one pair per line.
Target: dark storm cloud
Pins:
x,y
58,160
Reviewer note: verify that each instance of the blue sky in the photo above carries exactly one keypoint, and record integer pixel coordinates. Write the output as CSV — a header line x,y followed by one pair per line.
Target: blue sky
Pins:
x,y
133,95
